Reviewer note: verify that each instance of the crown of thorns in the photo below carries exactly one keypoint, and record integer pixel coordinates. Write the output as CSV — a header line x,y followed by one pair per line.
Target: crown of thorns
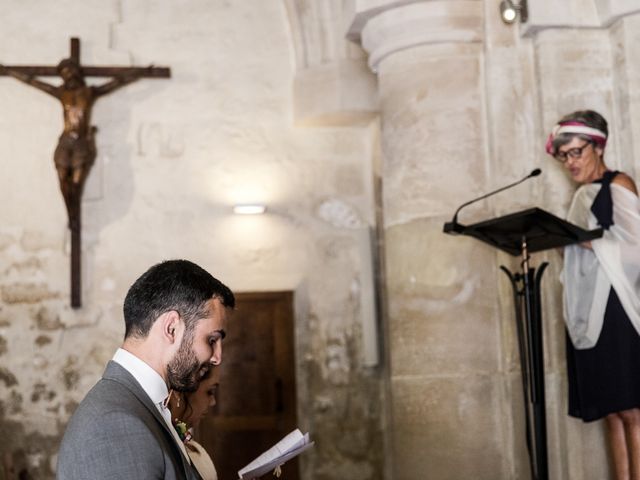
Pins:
x,y
68,62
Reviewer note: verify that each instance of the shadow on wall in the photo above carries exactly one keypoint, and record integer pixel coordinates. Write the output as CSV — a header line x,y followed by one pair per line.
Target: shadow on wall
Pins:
x,y
14,466
26,456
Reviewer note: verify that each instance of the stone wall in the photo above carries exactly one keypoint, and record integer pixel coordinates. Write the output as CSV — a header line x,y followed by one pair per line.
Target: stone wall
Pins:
x,y
174,156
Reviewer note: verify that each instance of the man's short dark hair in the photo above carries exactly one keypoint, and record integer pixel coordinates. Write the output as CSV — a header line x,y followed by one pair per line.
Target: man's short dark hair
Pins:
x,y
178,285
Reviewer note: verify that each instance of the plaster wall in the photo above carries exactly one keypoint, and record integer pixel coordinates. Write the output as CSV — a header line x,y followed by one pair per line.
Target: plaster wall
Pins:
x,y
174,155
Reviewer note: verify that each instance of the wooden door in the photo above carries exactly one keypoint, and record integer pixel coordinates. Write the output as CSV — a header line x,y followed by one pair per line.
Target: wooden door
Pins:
x,y
257,395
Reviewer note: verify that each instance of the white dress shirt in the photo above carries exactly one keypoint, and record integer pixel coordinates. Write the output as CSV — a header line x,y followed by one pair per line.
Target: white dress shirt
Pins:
x,y
153,385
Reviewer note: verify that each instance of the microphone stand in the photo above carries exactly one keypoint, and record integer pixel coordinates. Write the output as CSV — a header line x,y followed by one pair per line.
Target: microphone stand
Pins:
x,y
454,227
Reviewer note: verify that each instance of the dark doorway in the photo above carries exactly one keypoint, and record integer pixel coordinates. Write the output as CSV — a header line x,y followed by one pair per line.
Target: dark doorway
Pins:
x,y
257,394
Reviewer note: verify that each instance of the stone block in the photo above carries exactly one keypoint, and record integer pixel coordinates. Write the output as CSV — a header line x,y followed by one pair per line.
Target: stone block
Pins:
x,y
448,428
343,92
443,308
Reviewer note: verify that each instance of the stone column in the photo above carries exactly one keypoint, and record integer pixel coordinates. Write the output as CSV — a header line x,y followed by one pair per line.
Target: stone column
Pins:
x,y
625,36
447,389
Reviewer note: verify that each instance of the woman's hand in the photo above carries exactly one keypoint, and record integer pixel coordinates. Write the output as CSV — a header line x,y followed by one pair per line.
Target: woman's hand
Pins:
x,y
586,245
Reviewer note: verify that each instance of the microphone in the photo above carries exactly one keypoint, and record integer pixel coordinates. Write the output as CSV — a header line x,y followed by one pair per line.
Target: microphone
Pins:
x,y
454,227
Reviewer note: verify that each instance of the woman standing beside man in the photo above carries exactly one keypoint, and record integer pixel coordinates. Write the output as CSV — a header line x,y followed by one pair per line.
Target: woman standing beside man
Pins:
x,y
187,410
602,289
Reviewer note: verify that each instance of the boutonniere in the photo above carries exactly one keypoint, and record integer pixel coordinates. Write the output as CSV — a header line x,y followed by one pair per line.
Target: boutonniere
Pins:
x,y
184,432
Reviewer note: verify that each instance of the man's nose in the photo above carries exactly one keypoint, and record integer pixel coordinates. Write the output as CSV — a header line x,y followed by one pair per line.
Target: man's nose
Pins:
x,y
216,354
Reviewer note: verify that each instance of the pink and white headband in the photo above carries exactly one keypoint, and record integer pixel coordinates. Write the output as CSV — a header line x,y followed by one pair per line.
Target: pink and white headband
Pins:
x,y
598,136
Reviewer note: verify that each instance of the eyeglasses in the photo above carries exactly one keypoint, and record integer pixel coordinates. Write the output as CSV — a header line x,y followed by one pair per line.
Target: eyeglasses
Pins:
x,y
573,153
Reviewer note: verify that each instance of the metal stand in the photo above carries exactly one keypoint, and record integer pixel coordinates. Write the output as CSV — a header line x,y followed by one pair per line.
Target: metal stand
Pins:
x,y
526,294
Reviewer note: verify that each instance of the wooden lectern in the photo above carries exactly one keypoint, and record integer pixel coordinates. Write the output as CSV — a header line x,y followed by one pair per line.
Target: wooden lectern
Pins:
x,y
522,233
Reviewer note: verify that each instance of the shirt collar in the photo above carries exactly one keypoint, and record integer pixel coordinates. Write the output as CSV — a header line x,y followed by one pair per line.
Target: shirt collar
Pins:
x,y
151,382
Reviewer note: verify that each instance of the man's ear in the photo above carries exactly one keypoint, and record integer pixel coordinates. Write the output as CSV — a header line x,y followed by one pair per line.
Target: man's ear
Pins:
x,y
170,322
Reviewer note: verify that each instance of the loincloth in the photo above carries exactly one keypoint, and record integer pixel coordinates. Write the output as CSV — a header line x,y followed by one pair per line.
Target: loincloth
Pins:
x,y
74,152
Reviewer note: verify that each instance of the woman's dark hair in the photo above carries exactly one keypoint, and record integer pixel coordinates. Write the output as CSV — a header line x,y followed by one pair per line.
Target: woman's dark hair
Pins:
x,y
590,118
178,285
188,409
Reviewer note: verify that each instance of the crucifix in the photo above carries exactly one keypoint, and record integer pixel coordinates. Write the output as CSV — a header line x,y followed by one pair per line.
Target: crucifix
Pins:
x,y
76,150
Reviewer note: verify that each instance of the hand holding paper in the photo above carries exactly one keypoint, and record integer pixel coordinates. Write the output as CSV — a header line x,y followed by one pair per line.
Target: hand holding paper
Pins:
x,y
287,448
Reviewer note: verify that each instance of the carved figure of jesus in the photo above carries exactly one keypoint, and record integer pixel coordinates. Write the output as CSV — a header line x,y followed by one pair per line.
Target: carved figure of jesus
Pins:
x,y
75,153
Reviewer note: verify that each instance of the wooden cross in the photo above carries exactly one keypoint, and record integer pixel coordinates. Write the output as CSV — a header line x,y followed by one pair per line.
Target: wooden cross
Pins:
x,y
75,153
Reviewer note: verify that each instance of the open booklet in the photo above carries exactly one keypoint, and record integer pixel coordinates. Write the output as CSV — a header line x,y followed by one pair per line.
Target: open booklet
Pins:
x,y
287,448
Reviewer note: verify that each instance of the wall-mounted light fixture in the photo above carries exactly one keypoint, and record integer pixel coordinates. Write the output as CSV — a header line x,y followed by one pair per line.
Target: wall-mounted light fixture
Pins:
x,y
511,9
249,209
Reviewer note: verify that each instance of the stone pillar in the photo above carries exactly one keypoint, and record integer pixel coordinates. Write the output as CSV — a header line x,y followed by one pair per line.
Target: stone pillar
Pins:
x,y
447,389
625,36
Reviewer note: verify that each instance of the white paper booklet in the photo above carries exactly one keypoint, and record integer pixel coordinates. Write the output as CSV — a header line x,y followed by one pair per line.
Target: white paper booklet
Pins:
x,y
287,448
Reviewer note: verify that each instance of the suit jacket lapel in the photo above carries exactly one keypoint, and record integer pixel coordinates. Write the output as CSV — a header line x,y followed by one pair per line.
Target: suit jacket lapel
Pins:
x,y
118,373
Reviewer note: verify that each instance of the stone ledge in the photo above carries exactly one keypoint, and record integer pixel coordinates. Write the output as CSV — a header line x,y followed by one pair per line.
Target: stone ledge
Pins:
x,y
575,14
397,26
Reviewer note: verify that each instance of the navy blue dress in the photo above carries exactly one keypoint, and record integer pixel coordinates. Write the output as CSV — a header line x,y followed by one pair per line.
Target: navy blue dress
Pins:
x,y
606,378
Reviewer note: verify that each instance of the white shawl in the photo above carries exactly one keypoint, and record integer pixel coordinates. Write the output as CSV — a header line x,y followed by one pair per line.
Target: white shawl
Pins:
x,y
614,261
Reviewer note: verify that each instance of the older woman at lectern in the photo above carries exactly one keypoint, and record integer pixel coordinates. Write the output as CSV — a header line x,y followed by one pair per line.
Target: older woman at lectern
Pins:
x,y
602,289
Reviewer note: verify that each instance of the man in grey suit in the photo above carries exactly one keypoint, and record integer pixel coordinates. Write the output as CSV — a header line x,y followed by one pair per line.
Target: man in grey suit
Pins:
x,y
175,316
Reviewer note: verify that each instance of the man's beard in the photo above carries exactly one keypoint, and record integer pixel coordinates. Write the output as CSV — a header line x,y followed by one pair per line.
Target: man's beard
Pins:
x,y
183,371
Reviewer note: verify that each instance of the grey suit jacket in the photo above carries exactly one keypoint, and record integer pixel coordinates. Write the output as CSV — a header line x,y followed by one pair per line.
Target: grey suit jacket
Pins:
x,y
118,433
